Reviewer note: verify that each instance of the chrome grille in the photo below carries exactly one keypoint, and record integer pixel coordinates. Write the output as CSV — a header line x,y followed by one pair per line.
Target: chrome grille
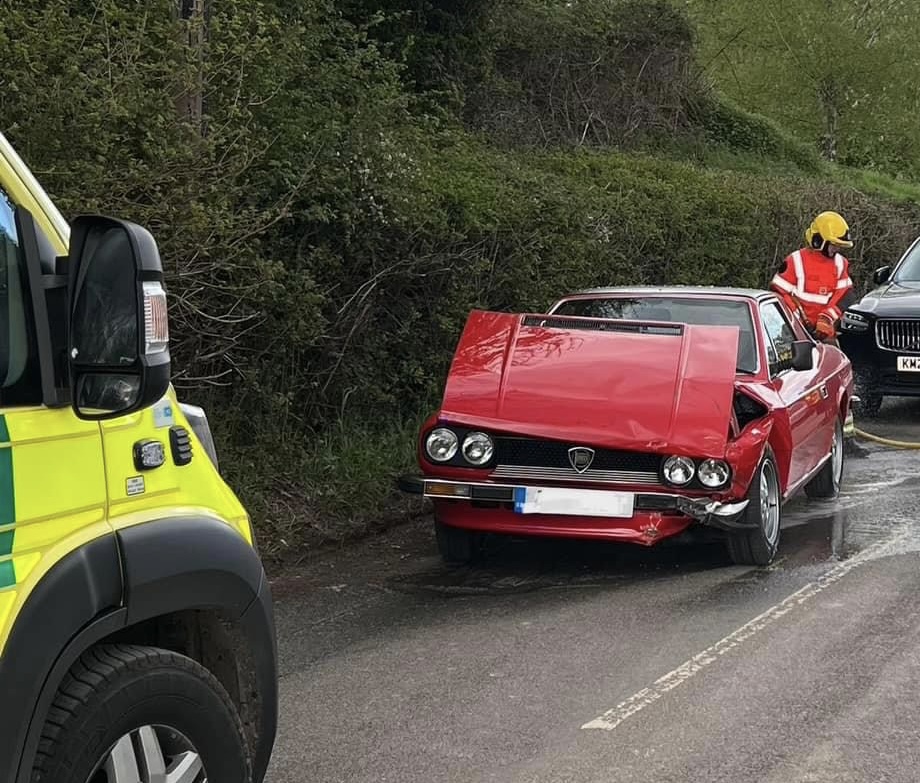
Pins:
x,y
526,473
545,460
898,335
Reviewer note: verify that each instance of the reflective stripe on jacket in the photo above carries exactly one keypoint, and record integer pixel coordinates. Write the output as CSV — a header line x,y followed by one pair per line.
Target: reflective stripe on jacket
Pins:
x,y
818,283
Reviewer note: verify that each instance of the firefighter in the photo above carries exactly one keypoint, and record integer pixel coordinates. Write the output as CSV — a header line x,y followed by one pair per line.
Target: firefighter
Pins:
x,y
815,281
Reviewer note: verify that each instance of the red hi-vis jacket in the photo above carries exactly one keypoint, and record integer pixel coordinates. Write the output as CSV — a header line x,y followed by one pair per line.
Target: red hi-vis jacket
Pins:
x,y
818,283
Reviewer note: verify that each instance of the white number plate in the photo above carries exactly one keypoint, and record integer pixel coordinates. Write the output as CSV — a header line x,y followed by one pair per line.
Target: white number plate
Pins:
x,y
909,364
575,502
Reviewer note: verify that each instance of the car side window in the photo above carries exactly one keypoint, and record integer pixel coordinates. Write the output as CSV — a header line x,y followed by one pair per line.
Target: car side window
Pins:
x,y
779,337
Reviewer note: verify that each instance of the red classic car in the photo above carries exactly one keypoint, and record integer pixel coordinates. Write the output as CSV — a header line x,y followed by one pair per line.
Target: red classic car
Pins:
x,y
631,414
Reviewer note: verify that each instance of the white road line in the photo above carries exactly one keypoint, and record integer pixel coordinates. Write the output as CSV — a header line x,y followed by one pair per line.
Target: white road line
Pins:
x,y
639,701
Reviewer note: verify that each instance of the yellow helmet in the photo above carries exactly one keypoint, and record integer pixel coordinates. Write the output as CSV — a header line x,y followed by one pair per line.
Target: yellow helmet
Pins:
x,y
828,227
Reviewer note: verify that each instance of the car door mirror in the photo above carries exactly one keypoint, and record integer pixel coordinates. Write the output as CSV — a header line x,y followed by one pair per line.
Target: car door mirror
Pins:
x,y
882,275
118,338
803,358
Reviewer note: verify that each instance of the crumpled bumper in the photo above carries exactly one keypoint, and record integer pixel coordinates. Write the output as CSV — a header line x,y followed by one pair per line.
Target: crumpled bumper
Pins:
x,y
726,516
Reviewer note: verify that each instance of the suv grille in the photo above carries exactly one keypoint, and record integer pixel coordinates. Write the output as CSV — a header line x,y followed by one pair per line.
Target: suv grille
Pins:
x,y
527,458
898,335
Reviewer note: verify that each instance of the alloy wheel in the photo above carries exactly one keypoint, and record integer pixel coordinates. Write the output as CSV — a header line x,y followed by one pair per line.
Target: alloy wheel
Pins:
x,y
769,501
837,456
151,754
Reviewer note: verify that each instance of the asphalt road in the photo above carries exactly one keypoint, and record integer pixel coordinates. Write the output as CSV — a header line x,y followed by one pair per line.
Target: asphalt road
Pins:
x,y
577,663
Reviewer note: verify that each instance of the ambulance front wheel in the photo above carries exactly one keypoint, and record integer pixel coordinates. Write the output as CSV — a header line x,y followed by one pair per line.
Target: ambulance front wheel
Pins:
x,y
127,713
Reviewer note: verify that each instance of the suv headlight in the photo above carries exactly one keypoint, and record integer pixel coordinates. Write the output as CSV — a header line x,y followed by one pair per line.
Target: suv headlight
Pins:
x,y
679,471
441,445
714,473
854,322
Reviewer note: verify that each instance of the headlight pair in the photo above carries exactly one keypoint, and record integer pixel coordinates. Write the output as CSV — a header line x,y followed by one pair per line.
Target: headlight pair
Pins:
x,y
443,444
711,473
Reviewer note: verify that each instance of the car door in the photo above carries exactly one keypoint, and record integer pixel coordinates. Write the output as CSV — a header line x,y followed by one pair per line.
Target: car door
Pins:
x,y
52,476
800,390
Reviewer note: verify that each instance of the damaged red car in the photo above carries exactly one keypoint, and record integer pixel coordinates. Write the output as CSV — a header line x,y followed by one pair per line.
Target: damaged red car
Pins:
x,y
634,415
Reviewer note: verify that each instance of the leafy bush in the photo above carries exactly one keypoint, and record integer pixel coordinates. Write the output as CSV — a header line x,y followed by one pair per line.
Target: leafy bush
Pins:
x,y
597,72
838,76
724,124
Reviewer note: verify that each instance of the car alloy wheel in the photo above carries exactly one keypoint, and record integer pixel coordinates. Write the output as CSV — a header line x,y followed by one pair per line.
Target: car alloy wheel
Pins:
x,y
837,456
152,754
769,501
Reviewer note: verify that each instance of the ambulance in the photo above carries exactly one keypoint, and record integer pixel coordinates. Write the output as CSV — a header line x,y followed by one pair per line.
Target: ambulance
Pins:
x,y
137,639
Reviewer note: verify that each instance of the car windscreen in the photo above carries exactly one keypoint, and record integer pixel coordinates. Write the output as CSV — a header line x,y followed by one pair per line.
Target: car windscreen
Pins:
x,y
694,311
909,270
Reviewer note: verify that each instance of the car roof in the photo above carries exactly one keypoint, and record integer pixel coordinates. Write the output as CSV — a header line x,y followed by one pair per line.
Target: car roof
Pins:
x,y
676,290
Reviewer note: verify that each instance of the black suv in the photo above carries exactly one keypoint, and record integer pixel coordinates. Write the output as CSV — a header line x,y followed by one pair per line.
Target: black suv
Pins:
x,y
881,334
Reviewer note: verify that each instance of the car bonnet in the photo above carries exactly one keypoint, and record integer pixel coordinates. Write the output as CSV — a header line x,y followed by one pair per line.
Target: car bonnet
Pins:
x,y
614,384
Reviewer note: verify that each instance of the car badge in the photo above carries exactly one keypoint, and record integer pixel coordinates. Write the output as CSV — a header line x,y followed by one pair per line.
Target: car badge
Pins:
x,y
580,458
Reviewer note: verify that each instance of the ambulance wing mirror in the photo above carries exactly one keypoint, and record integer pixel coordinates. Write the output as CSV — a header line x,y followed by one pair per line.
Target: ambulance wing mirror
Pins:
x,y
118,337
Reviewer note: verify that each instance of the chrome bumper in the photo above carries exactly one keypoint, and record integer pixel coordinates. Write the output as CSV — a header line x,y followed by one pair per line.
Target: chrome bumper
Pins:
x,y
705,511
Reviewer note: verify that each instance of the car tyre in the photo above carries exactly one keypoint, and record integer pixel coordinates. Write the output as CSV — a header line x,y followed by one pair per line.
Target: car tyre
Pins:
x,y
456,545
133,713
757,544
826,484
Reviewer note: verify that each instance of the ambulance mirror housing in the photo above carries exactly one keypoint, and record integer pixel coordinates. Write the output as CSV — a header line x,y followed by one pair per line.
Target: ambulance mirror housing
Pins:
x,y
118,335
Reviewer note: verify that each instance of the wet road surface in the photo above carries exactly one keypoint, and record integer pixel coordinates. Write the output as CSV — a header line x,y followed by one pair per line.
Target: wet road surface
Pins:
x,y
567,662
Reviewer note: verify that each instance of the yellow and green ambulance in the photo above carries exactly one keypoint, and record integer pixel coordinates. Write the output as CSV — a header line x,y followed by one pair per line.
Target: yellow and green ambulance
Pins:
x,y
137,638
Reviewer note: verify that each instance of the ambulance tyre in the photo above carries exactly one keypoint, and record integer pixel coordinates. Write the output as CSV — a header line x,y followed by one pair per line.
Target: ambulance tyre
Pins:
x,y
132,713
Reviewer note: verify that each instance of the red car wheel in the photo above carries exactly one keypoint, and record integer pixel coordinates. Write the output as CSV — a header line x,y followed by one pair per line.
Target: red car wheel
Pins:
x,y
758,544
826,485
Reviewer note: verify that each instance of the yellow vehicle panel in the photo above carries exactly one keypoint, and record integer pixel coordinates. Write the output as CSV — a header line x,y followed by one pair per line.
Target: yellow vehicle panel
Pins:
x,y
52,496
64,481
139,496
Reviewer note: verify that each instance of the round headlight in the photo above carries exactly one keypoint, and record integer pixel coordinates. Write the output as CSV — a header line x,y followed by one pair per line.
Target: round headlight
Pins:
x,y
714,473
477,448
441,445
679,470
